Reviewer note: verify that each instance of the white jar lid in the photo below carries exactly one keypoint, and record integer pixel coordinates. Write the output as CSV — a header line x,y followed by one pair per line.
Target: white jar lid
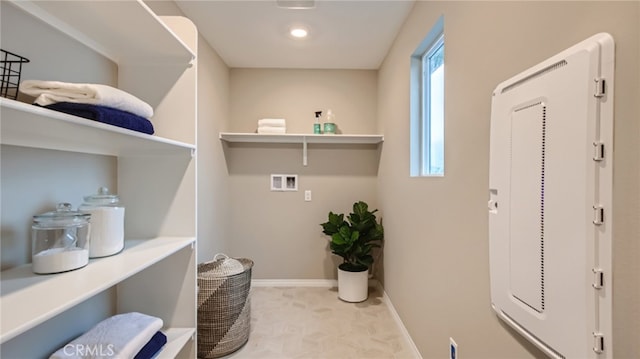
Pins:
x,y
103,198
63,217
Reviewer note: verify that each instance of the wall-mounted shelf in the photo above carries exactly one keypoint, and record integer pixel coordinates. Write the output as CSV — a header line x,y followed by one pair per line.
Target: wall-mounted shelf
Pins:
x,y
304,139
300,138
21,287
139,37
32,126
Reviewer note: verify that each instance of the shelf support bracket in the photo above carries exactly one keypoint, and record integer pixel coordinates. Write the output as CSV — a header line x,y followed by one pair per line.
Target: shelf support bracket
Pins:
x,y
304,151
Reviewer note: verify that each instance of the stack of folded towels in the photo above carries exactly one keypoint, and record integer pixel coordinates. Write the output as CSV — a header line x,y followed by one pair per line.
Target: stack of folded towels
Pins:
x,y
96,102
123,336
272,125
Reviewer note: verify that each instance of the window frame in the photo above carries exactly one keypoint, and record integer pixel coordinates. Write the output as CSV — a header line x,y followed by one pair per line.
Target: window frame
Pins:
x,y
420,126
426,126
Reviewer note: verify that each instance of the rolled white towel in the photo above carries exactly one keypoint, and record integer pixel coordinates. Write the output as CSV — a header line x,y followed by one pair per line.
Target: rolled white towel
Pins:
x,y
50,92
272,130
272,122
118,337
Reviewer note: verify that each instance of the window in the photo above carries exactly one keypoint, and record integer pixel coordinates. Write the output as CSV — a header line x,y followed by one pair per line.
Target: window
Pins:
x,y
427,105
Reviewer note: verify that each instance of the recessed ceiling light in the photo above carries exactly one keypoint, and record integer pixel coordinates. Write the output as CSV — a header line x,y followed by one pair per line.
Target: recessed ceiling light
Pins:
x,y
296,4
298,32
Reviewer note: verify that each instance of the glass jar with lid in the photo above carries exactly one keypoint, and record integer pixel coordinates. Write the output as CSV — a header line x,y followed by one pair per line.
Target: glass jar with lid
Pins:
x,y
60,240
107,223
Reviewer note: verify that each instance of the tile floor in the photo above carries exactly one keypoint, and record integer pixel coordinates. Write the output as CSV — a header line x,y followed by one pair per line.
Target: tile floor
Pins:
x,y
311,322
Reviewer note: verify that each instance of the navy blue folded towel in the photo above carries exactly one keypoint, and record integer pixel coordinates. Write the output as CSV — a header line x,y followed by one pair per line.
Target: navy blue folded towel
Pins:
x,y
152,347
108,115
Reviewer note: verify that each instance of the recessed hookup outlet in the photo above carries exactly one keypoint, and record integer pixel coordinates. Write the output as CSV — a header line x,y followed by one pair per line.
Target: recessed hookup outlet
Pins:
x,y
453,349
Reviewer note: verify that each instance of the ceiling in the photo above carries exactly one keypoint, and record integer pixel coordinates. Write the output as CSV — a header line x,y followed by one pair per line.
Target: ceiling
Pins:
x,y
343,34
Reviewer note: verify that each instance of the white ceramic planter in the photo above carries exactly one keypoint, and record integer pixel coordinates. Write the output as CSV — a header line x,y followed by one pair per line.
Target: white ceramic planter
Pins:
x,y
353,286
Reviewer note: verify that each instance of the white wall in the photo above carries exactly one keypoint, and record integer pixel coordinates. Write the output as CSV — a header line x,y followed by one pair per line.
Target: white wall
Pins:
x,y
436,254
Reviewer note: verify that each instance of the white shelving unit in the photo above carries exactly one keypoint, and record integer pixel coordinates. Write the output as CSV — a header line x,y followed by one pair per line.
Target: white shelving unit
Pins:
x,y
20,285
304,139
139,37
156,272
60,131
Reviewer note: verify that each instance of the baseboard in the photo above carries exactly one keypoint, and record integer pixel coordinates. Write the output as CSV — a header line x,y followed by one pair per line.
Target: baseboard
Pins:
x,y
329,283
396,318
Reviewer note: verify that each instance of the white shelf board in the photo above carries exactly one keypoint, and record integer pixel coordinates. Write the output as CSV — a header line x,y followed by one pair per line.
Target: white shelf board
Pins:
x,y
300,138
176,340
26,125
124,31
28,299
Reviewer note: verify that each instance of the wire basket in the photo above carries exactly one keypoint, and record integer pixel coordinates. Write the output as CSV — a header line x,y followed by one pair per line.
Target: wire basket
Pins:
x,y
11,67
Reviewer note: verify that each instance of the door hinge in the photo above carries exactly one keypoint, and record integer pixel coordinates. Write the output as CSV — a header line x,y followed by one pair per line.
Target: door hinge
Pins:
x,y
598,215
598,151
598,278
600,87
598,343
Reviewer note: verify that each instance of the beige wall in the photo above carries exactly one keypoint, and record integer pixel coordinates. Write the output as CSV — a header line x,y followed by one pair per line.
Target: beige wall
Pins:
x,y
436,254
279,230
296,94
213,115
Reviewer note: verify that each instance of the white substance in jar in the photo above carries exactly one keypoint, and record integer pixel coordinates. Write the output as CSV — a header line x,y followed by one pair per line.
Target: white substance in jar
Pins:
x,y
107,230
58,260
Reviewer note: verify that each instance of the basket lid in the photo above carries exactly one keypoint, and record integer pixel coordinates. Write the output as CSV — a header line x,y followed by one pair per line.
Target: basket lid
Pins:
x,y
223,266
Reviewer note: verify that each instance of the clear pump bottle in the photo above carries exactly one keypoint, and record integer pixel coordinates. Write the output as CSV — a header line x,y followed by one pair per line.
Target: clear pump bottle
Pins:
x,y
316,126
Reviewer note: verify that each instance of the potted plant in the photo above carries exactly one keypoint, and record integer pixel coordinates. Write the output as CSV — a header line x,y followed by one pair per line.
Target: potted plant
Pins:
x,y
353,239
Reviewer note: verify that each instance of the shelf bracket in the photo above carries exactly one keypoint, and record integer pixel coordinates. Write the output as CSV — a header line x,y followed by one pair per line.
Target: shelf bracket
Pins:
x,y
304,151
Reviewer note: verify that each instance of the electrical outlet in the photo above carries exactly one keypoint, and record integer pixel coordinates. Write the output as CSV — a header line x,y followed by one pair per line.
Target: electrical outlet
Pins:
x,y
307,195
453,349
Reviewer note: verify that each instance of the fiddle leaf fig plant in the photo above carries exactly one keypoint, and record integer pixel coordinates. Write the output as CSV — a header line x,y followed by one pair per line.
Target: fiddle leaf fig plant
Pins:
x,y
353,239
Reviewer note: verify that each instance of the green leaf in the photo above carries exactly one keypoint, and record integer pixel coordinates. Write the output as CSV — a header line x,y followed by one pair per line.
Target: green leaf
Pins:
x,y
338,239
355,238
360,208
333,224
366,260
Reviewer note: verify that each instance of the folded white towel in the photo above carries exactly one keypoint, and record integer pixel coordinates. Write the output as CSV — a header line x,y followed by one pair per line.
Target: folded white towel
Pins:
x,y
272,122
118,337
270,129
50,92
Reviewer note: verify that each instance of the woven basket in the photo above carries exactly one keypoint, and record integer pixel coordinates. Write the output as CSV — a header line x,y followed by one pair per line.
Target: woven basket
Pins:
x,y
224,307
